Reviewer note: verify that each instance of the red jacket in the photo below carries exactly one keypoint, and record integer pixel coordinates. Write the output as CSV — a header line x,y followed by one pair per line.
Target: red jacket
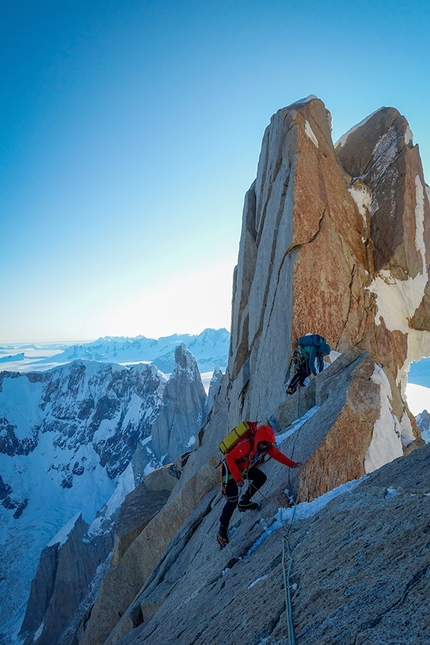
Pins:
x,y
244,454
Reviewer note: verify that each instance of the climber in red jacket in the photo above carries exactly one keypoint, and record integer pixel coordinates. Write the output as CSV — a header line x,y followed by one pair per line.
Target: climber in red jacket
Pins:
x,y
242,462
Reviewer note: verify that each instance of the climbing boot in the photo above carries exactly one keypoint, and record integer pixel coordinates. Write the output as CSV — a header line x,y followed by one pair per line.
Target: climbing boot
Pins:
x,y
222,537
247,505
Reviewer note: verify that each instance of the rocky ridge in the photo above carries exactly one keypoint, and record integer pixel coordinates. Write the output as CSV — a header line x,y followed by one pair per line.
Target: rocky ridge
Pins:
x,y
188,586
360,555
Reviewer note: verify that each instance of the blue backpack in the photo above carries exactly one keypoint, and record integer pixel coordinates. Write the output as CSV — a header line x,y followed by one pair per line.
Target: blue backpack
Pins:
x,y
314,346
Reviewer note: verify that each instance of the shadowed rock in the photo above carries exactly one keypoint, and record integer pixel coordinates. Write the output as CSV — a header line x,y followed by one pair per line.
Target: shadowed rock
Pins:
x,y
182,410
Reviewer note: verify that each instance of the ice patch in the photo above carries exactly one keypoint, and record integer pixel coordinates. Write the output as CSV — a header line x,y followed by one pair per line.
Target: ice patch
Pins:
x,y
310,133
392,492
385,149
63,533
409,135
257,581
38,633
406,432
386,443
301,511
308,99
296,425
106,430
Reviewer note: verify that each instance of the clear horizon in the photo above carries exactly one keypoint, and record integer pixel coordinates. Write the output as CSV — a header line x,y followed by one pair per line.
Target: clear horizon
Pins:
x,y
91,340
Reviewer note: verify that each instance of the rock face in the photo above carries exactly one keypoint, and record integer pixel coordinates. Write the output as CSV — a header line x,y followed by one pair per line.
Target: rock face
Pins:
x,y
380,154
346,423
359,569
423,423
182,409
73,565
65,572
314,255
124,581
140,506
307,263
359,422
214,387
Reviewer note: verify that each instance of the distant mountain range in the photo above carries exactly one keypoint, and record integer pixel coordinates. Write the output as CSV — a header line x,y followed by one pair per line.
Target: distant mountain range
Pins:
x,y
210,349
67,437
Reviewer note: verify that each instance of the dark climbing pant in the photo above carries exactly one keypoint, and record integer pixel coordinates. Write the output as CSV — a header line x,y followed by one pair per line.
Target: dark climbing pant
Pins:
x,y
257,479
299,378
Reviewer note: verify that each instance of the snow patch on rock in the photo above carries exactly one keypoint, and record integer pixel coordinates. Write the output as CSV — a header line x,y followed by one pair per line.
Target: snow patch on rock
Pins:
x,y
409,135
300,512
63,533
386,443
296,425
310,133
363,198
397,300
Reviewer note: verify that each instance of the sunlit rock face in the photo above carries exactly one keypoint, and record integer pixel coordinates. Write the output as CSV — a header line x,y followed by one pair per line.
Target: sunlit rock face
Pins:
x,y
352,422
347,551
380,152
334,241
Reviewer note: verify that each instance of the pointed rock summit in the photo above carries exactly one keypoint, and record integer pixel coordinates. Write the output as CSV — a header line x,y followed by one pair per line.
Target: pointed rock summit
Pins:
x,y
335,242
182,409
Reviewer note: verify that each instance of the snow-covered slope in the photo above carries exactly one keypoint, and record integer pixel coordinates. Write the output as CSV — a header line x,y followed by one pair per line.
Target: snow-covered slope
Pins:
x,y
66,435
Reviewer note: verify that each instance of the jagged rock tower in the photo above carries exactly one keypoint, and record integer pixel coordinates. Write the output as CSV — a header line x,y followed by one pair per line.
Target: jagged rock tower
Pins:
x,y
335,242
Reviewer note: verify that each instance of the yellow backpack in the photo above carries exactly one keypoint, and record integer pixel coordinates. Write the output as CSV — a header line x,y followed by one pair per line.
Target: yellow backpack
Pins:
x,y
233,437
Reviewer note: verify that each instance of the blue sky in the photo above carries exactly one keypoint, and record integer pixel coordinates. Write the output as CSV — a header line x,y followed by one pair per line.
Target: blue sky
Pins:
x,y
130,132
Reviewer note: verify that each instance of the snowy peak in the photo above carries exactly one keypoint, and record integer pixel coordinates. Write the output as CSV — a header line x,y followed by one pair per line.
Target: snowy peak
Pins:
x,y
81,403
66,435
210,349
423,422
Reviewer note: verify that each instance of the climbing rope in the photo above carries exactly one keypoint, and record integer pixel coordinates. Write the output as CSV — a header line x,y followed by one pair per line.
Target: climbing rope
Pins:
x,y
286,552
